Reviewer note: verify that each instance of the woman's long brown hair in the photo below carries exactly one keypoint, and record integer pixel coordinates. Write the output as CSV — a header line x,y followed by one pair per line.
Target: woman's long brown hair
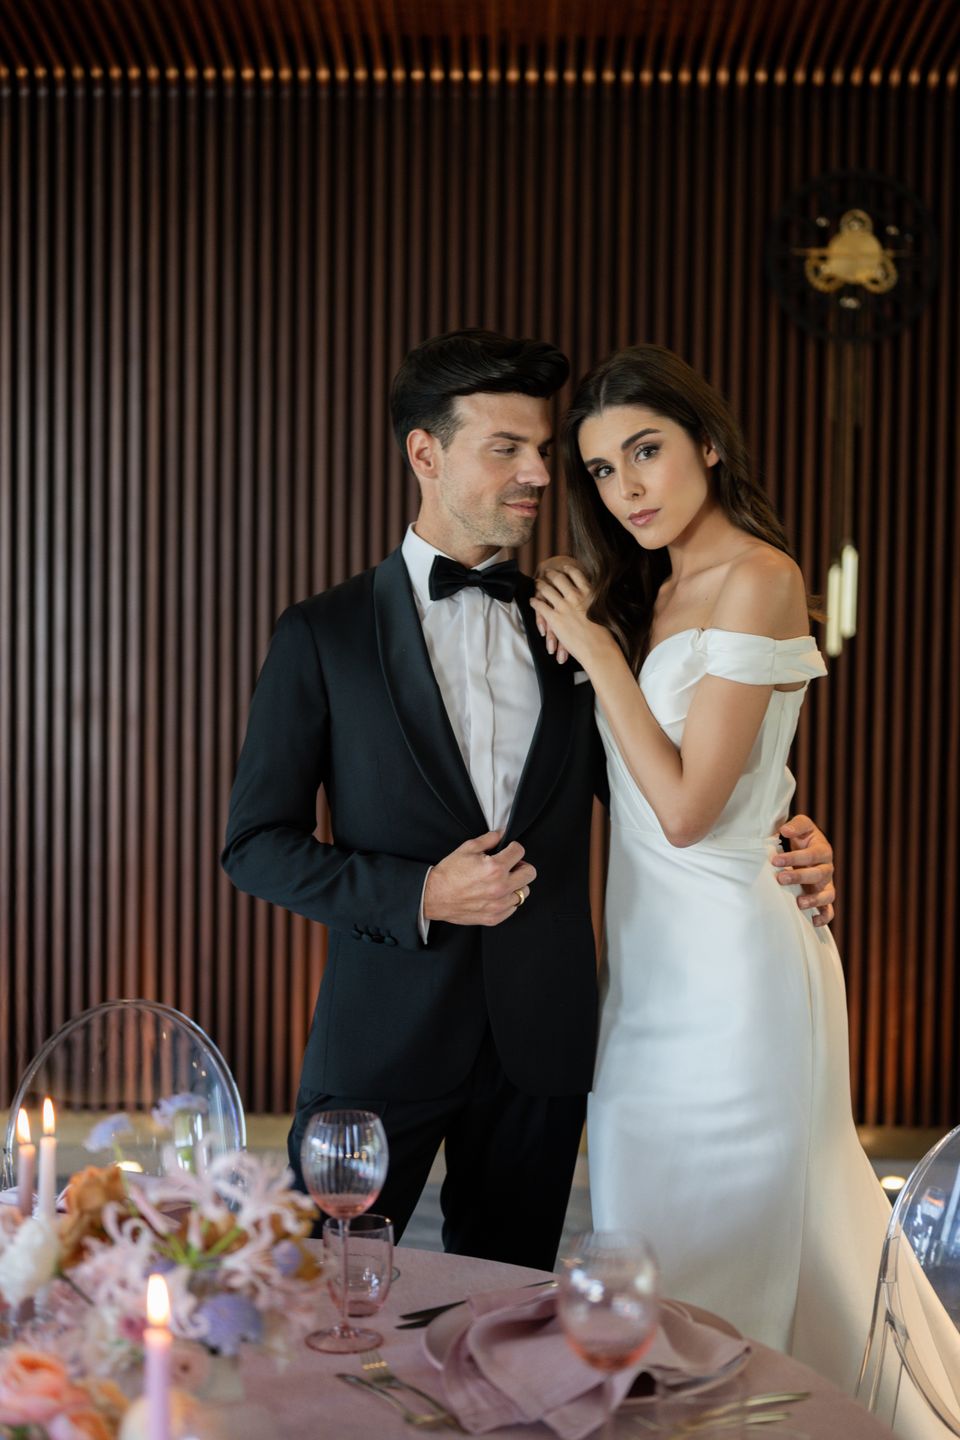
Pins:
x,y
626,577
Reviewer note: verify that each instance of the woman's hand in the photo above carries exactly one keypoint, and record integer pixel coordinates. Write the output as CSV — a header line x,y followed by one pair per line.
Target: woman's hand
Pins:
x,y
561,603
553,562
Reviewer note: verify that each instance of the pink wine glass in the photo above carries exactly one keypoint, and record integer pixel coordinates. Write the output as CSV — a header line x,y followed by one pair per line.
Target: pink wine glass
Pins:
x,y
609,1301
344,1158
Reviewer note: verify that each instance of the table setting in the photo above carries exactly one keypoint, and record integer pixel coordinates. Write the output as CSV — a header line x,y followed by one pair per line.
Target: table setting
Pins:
x,y
202,1305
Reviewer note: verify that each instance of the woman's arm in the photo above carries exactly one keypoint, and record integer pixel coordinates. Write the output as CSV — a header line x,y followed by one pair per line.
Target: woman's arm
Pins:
x,y
687,788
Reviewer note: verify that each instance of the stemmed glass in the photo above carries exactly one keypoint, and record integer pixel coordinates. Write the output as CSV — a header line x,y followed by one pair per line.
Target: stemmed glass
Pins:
x,y
344,1158
609,1301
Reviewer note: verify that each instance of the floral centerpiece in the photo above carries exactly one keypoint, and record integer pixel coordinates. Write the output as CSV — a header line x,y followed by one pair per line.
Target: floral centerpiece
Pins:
x,y
229,1235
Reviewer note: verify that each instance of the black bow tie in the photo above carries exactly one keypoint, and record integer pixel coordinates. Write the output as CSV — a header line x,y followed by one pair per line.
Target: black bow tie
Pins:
x,y
449,576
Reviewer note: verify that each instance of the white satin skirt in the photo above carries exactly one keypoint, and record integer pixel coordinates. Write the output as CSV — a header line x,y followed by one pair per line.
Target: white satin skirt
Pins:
x,y
720,1124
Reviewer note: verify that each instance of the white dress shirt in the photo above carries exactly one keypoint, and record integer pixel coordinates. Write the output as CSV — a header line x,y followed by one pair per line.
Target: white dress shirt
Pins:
x,y
480,654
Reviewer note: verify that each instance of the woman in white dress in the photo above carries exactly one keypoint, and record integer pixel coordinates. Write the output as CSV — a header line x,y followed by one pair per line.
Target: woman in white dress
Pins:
x,y
720,1123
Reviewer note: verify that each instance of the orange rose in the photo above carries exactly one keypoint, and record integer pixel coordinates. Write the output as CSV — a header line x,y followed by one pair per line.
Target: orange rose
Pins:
x,y
87,1194
34,1387
90,1189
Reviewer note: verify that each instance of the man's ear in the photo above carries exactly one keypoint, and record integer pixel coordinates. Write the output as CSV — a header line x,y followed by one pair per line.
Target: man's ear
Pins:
x,y
423,454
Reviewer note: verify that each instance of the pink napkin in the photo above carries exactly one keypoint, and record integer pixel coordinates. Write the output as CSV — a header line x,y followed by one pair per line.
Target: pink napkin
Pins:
x,y
511,1365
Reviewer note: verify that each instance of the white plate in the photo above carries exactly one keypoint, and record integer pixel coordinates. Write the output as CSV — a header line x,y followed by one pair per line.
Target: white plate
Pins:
x,y
443,1332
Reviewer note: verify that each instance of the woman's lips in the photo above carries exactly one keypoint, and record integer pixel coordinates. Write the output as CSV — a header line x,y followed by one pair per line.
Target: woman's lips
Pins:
x,y
642,517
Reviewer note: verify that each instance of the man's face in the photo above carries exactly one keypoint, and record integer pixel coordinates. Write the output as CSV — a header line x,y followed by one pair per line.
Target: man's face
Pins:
x,y
482,491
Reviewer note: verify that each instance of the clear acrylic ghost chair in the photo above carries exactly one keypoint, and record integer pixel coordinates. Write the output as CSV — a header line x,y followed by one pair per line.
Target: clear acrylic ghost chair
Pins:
x,y
131,1081
924,1232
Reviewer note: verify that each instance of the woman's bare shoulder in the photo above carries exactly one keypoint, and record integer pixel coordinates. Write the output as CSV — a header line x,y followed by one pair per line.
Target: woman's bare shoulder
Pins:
x,y
763,593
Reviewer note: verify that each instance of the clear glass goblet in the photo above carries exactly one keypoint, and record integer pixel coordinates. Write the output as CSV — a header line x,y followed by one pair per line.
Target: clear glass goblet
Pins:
x,y
370,1263
609,1301
344,1158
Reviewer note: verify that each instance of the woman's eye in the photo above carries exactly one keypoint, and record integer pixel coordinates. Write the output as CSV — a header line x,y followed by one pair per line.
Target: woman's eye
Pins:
x,y
506,450
602,471
645,452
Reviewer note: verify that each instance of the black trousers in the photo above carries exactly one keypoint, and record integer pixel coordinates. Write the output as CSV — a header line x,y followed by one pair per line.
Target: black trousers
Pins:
x,y
510,1160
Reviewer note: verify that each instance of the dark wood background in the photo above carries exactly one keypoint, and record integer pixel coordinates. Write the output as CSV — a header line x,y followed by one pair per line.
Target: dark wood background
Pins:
x,y
211,262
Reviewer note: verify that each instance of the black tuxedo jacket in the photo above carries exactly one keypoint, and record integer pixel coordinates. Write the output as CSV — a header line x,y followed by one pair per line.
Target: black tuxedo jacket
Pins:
x,y
347,700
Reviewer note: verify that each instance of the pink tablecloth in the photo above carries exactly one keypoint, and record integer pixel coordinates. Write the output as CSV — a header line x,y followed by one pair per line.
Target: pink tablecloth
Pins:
x,y
306,1398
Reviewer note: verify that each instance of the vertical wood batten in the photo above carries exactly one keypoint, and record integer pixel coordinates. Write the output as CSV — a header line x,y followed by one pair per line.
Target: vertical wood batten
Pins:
x,y
203,294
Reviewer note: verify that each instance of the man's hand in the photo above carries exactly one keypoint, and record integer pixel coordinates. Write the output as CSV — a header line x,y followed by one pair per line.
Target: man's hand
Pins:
x,y
808,862
471,887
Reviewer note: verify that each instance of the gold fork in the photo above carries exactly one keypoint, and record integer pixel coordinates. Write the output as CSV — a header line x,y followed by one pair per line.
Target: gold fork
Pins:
x,y
427,1421
378,1372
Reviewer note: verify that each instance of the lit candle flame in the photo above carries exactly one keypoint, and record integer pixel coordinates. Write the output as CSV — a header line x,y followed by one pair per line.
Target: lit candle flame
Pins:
x,y
158,1301
49,1119
23,1127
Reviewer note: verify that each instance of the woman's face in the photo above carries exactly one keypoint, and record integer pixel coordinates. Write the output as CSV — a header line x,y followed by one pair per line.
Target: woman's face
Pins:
x,y
648,472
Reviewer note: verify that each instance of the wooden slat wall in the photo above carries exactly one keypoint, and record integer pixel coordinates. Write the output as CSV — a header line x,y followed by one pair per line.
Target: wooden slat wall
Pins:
x,y
204,290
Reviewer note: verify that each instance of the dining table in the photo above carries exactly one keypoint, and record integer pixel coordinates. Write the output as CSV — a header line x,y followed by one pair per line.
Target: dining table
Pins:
x,y
306,1397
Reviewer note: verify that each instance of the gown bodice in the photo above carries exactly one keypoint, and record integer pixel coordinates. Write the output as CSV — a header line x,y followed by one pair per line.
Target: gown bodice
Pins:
x,y
668,679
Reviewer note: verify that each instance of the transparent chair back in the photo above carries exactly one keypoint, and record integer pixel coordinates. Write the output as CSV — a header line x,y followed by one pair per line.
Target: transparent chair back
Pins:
x,y
919,1286
131,1081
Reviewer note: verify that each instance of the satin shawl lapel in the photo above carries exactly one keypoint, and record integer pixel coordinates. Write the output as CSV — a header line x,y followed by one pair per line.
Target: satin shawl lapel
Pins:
x,y
416,697
551,741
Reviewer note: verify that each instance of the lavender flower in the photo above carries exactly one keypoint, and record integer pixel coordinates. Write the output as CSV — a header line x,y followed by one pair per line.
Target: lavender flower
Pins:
x,y
105,1134
230,1321
171,1105
287,1258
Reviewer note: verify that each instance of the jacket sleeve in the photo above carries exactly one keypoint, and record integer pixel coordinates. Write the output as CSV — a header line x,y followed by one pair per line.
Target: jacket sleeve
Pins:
x,y
270,849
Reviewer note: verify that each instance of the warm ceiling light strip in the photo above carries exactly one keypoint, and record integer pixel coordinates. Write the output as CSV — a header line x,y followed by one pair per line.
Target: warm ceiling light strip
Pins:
x,y
626,76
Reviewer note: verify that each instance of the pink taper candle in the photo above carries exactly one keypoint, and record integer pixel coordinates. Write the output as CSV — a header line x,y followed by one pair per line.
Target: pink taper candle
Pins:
x,y
47,1186
157,1341
26,1165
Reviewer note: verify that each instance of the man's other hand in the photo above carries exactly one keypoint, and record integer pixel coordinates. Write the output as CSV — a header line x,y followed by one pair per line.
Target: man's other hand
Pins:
x,y
808,862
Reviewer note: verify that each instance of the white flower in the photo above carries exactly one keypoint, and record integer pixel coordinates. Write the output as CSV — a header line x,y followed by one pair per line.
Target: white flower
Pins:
x,y
105,1133
29,1261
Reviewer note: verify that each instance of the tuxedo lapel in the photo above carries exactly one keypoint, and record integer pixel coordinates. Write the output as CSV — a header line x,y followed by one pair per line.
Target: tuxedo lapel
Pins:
x,y
551,742
416,697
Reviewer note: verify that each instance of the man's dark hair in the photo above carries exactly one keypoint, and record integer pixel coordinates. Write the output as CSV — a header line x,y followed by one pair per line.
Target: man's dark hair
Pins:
x,y
468,362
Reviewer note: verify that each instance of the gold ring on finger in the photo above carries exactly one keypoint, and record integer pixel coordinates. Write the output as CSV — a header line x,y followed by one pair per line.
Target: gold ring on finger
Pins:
x,y
520,897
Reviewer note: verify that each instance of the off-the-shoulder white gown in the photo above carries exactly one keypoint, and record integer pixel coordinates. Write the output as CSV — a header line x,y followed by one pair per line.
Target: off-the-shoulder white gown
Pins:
x,y
720,1122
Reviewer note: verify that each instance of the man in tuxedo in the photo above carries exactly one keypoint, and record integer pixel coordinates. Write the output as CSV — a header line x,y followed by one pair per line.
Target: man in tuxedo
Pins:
x,y
459,762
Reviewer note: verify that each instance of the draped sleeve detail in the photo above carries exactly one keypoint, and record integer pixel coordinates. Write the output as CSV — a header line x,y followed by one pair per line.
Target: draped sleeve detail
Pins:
x,y
758,659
